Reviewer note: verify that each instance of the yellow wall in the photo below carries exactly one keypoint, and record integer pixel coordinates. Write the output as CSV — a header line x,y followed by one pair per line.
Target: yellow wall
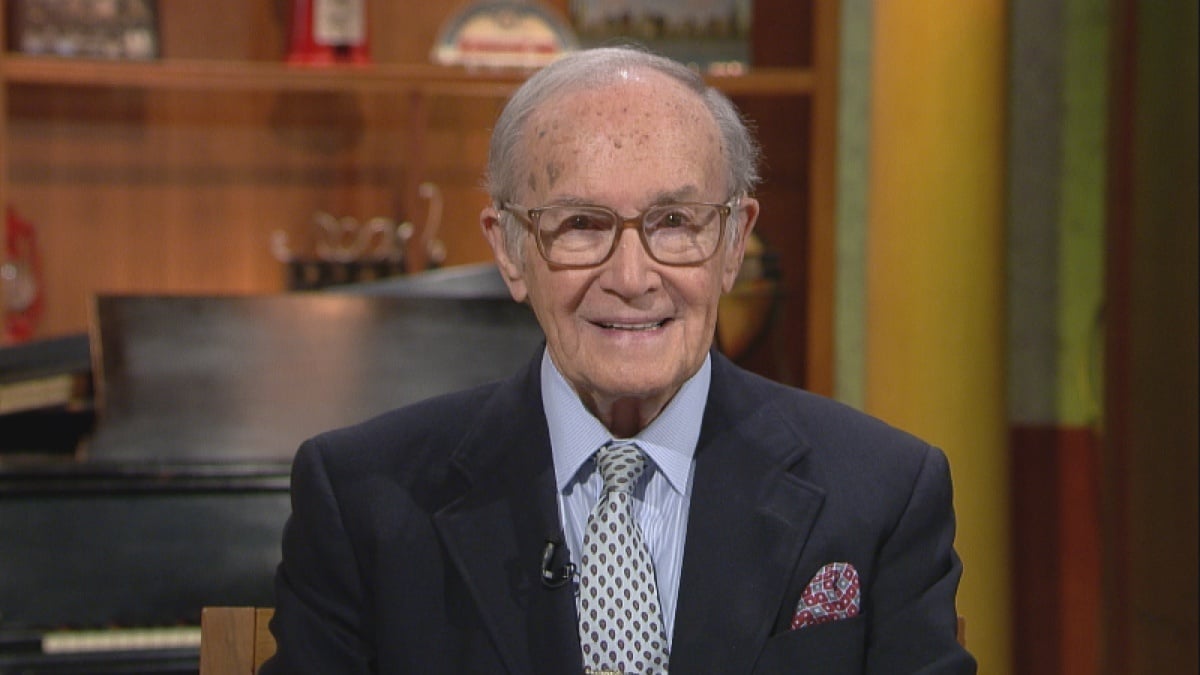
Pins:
x,y
935,316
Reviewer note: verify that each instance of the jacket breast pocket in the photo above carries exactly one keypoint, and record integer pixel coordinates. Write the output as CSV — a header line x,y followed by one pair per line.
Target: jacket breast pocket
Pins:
x,y
829,649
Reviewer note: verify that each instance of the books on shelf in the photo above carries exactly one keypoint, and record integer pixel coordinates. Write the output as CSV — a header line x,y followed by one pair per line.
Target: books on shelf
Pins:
x,y
45,395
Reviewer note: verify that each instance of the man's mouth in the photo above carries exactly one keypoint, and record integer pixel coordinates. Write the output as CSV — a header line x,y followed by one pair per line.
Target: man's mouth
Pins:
x,y
633,327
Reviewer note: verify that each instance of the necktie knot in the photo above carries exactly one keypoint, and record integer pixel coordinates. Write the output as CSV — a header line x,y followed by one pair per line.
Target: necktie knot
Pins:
x,y
620,466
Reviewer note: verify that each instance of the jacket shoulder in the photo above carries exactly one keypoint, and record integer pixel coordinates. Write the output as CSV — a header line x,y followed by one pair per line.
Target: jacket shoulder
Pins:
x,y
408,448
836,440
816,420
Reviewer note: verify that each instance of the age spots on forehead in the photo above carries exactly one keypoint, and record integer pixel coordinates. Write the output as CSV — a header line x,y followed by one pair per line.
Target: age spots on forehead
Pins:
x,y
533,182
553,171
543,129
637,138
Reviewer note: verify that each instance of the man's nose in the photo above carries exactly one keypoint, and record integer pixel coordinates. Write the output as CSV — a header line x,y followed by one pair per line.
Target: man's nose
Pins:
x,y
631,268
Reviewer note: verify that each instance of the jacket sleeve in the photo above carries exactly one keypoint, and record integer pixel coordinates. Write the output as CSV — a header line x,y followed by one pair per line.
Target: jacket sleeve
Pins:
x,y
319,623
913,619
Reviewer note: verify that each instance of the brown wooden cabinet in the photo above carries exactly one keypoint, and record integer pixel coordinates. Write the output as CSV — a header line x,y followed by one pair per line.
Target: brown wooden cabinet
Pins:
x,y
173,175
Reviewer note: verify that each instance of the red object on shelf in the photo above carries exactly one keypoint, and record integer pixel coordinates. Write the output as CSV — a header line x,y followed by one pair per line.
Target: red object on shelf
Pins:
x,y
327,32
20,280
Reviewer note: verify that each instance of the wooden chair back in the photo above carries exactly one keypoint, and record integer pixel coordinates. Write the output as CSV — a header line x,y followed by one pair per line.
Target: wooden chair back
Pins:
x,y
234,640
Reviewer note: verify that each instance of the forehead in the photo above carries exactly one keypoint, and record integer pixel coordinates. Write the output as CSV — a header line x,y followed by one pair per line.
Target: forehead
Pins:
x,y
646,129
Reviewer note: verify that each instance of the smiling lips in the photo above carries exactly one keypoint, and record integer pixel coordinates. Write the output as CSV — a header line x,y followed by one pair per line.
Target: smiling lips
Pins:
x,y
632,326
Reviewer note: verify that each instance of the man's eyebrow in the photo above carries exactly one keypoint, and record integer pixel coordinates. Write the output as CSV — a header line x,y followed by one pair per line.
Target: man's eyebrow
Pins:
x,y
572,200
677,195
684,193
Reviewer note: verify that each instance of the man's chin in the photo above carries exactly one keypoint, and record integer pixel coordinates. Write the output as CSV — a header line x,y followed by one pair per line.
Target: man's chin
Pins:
x,y
626,382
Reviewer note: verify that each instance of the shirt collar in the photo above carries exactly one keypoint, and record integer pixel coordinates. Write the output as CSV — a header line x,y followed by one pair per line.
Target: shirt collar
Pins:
x,y
669,441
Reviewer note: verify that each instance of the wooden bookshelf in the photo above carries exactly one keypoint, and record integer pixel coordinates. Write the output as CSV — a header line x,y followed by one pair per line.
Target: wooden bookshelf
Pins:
x,y
173,175
433,80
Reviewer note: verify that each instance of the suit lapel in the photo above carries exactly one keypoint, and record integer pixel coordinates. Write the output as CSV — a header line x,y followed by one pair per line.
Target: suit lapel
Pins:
x,y
496,531
747,527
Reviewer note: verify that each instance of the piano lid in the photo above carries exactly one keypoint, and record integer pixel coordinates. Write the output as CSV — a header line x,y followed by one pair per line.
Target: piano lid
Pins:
x,y
248,378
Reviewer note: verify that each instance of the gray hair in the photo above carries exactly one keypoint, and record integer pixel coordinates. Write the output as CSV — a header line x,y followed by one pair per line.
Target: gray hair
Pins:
x,y
591,68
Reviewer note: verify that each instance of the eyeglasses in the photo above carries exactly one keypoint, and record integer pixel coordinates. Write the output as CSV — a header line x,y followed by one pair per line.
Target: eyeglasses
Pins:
x,y
569,235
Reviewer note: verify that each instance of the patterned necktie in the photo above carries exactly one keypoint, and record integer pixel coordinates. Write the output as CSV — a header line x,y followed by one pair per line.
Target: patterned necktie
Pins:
x,y
620,622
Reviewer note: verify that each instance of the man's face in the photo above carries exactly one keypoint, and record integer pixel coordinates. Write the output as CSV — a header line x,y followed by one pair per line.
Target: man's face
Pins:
x,y
630,329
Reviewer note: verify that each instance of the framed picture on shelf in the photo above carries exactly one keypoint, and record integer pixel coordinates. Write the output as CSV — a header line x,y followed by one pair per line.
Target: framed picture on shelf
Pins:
x,y
496,34
108,29
712,35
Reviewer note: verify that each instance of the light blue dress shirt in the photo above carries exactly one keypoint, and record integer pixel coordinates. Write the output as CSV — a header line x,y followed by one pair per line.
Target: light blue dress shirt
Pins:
x,y
664,491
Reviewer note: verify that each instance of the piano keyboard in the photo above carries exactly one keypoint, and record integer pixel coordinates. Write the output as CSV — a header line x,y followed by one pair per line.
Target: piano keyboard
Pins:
x,y
171,650
120,639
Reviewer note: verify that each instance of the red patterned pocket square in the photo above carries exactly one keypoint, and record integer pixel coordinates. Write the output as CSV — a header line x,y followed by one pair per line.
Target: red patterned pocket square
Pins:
x,y
833,594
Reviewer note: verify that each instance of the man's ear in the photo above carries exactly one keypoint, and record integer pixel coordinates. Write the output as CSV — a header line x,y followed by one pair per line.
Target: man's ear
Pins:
x,y
747,211
514,275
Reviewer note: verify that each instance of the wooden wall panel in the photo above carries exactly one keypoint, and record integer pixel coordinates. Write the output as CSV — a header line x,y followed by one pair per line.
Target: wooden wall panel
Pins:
x,y
181,191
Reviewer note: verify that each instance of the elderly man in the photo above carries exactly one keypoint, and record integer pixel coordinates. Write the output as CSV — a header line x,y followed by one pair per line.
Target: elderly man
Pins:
x,y
631,501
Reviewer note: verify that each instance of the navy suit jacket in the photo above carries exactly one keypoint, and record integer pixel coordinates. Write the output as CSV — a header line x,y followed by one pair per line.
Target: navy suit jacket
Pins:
x,y
416,539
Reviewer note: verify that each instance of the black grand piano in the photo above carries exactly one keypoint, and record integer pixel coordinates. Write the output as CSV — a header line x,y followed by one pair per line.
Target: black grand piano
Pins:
x,y
177,498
